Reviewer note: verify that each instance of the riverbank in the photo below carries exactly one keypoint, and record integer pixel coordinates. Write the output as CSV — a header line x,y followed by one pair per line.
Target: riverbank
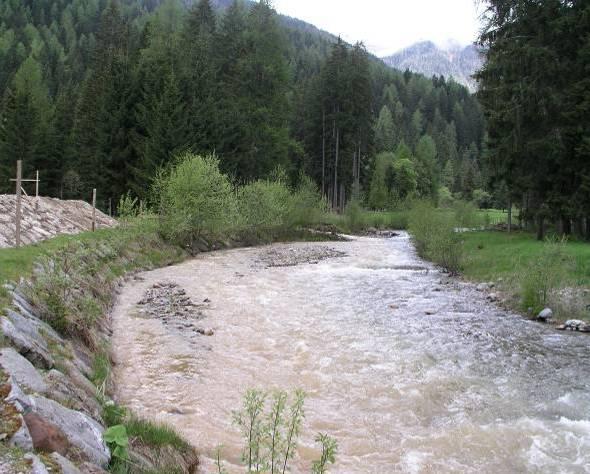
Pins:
x,y
57,325
514,264
55,361
548,281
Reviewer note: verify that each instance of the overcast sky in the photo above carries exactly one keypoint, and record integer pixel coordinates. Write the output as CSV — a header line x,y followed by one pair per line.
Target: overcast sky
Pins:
x,y
385,26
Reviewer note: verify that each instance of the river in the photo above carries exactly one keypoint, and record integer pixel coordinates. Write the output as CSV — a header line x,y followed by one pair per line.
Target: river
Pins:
x,y
410,371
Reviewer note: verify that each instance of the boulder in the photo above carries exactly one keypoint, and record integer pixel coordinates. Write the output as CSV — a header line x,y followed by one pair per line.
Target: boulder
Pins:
x,y
17,397
492,297
37,466
81,431
78,378
34,327
65,465
45,435
545,315
21,370
63,390
89,468
22,438
27,341
577,325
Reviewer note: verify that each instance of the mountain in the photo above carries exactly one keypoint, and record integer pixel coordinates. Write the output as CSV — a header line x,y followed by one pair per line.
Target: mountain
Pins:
x,y
426,58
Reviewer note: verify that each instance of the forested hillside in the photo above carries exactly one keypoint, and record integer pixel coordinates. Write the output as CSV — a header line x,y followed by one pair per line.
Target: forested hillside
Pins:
x,y
535,87
101,93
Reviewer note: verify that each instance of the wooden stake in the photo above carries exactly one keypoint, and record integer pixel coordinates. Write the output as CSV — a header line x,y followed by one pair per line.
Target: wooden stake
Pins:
x,y
19,170
37,185
93,209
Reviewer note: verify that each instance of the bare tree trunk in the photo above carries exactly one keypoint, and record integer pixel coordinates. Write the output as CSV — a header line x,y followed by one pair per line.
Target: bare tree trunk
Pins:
x,y
342,197
354,175
540,227
566,225
335,201
358,170
323,152
559,226
509,214
578,227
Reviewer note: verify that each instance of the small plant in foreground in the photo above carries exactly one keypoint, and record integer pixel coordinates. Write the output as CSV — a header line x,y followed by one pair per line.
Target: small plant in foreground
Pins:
x,y
118,441
329,448
271,431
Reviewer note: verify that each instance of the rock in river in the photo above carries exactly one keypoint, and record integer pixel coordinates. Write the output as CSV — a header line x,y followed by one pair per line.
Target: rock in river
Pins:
x,y
545,315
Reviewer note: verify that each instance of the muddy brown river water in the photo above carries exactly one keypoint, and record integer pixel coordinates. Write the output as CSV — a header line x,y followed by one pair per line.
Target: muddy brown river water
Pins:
x,y
407,372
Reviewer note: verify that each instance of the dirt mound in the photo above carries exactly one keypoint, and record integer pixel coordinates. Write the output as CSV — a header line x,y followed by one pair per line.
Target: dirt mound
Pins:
x,y
43,218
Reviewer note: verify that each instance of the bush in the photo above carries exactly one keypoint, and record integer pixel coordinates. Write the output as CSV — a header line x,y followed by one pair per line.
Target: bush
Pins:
x,y
354,216
435,237
195,198
482,199
127,207
307,204
264,205
445,197
543,275
465,215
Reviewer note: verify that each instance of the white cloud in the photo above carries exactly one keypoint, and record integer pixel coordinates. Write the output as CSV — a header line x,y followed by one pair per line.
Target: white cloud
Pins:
x,y
385,26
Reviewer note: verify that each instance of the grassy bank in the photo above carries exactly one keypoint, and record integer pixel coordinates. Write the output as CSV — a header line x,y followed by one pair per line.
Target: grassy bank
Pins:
x,y
71,281
529,274
532,274
491,255
18,263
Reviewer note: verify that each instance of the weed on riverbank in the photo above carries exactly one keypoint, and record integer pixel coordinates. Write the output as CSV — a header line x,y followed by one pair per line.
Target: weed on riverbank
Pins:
x,y
270,427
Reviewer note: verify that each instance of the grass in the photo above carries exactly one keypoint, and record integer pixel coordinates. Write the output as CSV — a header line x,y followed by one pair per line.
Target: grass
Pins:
x,y
494,216
155,434
531,273
18,263
493,255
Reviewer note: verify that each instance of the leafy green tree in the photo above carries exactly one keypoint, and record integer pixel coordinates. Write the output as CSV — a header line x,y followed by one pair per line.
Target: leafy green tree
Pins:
x,y
405,178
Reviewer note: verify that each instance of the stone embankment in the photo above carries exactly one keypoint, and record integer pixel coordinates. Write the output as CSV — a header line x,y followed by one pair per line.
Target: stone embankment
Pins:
x,y
43,218
50,409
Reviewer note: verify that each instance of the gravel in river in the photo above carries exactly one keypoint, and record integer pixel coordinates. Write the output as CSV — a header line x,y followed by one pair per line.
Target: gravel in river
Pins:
x,y
408,370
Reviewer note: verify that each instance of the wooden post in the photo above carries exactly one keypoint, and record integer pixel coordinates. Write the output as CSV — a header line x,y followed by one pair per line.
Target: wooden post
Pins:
x,y
37,185
93,209
19,170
